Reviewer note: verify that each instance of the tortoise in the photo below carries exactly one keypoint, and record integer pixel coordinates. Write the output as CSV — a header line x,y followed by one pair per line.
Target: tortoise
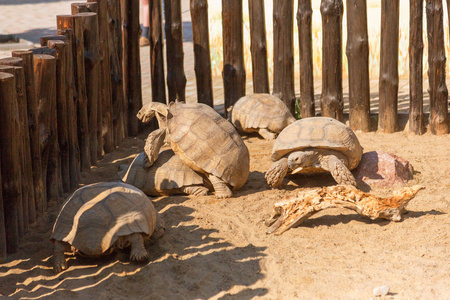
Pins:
x,y
99,218
263,113
204,141
167,176
315,145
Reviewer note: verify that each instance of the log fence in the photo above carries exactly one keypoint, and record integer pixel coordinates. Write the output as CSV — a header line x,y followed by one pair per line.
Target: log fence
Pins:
x,y
65,104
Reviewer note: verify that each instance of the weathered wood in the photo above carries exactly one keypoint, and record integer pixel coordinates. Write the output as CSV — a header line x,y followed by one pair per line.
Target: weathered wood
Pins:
x,y
74,150
388,89
176,78
358,65
202,60
233,72
116,53
124,19
89,24
34,139
43,50
415,67
44,39
3,248
332,102
10,164
74,23
133,72
283,52
436,68
258,46
45,83
307,106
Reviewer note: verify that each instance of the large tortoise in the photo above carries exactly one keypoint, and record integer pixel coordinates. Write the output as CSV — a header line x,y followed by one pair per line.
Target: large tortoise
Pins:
x,y
99,218
314,145
203,140
263,113
167,176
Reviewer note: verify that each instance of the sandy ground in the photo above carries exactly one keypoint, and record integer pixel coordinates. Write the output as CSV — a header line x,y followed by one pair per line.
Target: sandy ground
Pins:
x,y
219,249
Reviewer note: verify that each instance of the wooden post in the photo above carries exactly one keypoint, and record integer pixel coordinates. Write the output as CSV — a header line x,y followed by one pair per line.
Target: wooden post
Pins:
x,y
436,68
358,65
415,66
132,73
258,46
74,22
176,78
44,39
34,140
10,168
3,248
202,59
74,150
387,116
124,19
331,102
89,26
45,82
307,106
233,52
283,52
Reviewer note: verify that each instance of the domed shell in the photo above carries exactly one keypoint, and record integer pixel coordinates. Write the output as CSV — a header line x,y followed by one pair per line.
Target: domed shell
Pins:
x,y
256,111
208,143
96,215
318,132
167,174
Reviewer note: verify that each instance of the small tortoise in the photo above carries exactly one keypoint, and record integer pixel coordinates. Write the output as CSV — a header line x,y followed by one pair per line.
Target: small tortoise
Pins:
x,y
315,145
203,140
99,218
167,176
263,113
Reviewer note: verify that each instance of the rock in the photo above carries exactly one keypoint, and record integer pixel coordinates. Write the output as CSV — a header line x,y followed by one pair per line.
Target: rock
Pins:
x,y
381,290
384,169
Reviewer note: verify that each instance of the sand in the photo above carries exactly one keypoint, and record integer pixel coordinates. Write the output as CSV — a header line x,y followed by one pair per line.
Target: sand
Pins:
x,y
219,249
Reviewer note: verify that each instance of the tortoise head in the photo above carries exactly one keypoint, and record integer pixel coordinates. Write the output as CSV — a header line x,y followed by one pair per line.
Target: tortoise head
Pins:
x,y
152,109
301,159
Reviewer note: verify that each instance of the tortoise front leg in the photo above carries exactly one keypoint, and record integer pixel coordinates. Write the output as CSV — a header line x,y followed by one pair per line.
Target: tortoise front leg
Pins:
x,y
267,134
138,251
153,144
275,175
59,260
195,190
339,171
220,187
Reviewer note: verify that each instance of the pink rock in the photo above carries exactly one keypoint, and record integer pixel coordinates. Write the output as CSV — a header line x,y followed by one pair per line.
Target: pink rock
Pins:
x,y
381,168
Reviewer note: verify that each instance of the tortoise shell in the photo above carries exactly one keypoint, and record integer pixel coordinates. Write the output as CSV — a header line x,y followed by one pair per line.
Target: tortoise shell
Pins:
x,y
256,111
320,133
96,215
166,175
208,143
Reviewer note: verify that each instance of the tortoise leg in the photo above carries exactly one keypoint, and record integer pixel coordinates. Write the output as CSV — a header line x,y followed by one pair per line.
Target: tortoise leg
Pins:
x,y
195,190
275,175
153,144
220,187
138,251
59,260
268,135
340,172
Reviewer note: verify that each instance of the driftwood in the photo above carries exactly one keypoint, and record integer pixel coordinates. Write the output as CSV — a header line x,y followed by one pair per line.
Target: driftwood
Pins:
x,y
293,210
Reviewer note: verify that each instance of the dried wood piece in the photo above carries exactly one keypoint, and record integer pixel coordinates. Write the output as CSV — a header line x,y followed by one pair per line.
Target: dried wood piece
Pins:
x,y
293,210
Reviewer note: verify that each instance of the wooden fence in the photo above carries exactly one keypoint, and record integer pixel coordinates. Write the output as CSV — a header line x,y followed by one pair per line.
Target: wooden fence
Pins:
x,y
62,106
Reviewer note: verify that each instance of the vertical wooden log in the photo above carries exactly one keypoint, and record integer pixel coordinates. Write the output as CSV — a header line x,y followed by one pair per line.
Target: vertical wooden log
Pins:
x,y
358,65
124,19
156,52
233,72
74,150
3,250
116,52
176,78
307,106
132,74
74,23
258,46
32,116
89,26
10,164
415,66
387,117
45,82
332,103
283,52
436,68
202,59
